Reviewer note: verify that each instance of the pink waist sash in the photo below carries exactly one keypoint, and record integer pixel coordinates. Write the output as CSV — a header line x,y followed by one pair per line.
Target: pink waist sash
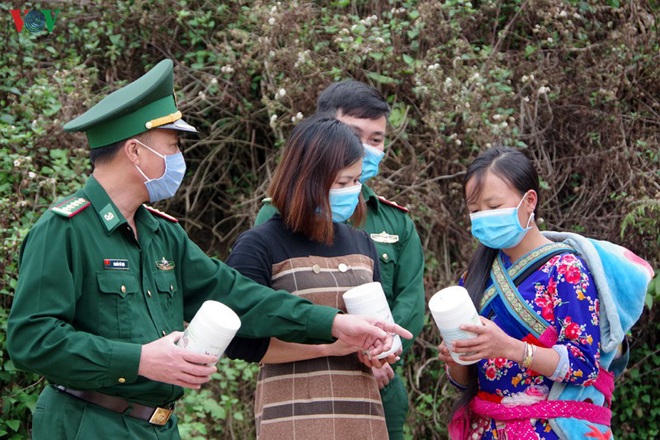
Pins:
x,y
518,417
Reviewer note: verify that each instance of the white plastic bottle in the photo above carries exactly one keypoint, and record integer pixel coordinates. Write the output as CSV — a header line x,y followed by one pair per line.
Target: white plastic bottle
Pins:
x,y
451,307
211,329
369,299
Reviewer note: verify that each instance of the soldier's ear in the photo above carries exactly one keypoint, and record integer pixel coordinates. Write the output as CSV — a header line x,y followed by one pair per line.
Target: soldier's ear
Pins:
x,y
131,151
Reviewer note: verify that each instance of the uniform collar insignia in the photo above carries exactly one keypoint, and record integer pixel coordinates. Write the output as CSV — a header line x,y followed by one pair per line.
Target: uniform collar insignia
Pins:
x,y
164,264
109,216
384,237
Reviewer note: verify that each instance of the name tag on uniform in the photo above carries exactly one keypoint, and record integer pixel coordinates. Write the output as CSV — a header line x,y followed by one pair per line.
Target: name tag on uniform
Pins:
x,y
384,237
115,264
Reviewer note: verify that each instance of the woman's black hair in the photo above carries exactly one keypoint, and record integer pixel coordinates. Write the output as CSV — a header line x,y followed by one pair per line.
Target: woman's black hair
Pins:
x,y
514,167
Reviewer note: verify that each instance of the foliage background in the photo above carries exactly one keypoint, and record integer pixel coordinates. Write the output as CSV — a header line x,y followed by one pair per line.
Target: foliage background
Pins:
x,y
574,83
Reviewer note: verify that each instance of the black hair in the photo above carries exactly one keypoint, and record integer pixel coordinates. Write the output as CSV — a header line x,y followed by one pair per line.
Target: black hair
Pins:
x,y
353,98
106,153
514,167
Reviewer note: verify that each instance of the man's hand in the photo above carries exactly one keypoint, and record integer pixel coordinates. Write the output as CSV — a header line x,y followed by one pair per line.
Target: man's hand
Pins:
x,y
366,332
383,375
163,361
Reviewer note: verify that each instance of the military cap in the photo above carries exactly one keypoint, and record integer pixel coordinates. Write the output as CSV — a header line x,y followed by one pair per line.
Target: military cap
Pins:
x,y
142,105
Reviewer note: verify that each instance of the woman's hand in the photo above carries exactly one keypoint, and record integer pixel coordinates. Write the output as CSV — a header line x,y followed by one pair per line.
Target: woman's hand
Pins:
x,y
491,342
445,356
457,372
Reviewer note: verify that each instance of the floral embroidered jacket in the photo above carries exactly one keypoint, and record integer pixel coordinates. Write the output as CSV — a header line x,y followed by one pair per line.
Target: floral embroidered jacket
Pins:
x,y
561,291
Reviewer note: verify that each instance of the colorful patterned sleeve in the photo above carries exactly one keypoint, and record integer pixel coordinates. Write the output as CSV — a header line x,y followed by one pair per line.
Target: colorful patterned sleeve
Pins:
x,y
573,306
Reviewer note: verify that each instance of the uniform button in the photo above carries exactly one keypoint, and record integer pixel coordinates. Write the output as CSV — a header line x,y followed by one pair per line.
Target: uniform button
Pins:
x,y
121,380
123,289
386,257
164,333
316,268
342,267
171,288
149,293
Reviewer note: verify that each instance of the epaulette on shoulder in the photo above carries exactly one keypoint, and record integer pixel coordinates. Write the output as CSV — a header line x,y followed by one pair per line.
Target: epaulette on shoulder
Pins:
x,y
158,213
267,201
70,206
392,204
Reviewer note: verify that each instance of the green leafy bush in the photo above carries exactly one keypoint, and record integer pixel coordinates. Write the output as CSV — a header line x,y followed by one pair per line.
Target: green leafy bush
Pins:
x,y
573,83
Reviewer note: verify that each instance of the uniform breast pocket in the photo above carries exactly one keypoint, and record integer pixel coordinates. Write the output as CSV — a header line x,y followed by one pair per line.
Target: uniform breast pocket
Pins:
x,y
388,259
168,297
117,303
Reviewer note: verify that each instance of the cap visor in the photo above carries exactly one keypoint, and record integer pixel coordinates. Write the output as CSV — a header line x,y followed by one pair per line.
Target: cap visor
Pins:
x,y
180,125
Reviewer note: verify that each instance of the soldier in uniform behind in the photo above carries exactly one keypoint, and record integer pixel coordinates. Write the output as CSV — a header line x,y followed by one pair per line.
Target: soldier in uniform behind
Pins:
x,y
106,283
401,256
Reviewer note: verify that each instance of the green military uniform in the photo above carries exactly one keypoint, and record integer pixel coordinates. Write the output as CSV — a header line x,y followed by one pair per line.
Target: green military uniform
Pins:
x,y
90,294
402,269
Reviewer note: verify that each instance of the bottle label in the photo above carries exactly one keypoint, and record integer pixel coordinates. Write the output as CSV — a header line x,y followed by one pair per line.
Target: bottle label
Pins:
x,y
456,334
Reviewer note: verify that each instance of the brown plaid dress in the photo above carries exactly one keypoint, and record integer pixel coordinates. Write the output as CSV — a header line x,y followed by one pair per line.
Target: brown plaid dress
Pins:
x,y
325,398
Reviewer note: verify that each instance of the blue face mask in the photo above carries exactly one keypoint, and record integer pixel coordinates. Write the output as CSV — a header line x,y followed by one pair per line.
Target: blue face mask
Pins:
x,y
499,228
166,185
343,202
370,162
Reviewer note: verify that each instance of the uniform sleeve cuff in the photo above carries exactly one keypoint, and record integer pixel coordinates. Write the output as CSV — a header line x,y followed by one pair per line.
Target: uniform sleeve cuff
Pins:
x,y
319,324
124,363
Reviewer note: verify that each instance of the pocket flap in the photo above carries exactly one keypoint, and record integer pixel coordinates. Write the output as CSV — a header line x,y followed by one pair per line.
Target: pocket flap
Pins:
x,y
165,282
120,283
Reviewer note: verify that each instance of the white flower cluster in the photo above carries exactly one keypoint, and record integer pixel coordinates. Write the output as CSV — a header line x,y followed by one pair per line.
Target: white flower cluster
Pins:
x,y
21,160
369,20
454,137
226,69
298,117
273,11
303,58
